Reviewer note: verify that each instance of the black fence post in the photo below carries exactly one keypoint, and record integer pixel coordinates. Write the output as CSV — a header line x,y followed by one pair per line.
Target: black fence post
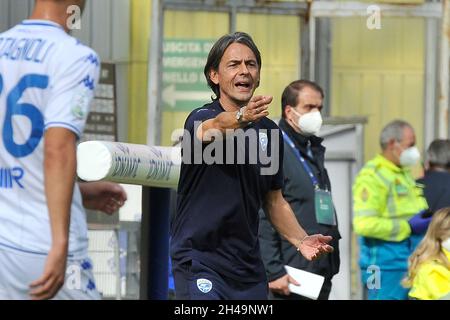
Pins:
x,y
155,243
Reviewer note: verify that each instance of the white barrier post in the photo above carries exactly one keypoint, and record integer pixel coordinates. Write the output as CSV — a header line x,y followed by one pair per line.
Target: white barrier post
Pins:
x,y
155,167
129,163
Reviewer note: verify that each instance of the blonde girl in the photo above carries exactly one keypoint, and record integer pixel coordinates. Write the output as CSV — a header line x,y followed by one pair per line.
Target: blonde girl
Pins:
x,y
429,265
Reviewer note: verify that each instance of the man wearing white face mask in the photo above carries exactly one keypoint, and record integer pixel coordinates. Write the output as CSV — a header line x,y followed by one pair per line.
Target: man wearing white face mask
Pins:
x,y
389,213
305,182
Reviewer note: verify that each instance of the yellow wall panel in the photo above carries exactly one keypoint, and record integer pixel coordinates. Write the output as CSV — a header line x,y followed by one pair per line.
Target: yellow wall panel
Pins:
x,y
398,45
137,126
351,93
140,30
379,74
342,42
392,96
278,40
411,96
371,100
413,43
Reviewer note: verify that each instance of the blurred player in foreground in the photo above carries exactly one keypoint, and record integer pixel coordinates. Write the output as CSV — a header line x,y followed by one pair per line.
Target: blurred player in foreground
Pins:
x,y
47,81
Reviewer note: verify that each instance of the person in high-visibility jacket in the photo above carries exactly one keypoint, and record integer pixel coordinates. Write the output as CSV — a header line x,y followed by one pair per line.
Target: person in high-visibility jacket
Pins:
x,y
429,266
389,213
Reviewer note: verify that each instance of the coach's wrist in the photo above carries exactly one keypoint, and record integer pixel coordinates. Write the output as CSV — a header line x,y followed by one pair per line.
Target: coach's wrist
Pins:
x,y
245,117
300,243
242,117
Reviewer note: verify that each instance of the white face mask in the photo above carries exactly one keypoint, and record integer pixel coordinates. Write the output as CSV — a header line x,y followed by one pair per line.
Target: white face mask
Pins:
x,y
409,157
446,244
309,123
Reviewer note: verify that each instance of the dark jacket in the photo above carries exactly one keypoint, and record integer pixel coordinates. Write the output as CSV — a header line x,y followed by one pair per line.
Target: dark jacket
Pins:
x,y
298,190
437,189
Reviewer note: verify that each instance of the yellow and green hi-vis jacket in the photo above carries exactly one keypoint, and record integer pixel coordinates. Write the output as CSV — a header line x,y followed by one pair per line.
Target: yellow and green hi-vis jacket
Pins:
x,y
385,197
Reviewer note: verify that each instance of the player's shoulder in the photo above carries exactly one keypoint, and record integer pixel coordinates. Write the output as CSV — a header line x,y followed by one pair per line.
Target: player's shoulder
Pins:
x,y
4,33
75,49
9,32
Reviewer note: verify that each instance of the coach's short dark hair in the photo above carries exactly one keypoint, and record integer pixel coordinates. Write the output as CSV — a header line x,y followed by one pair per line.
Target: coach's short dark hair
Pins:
x,y
290,93
218,49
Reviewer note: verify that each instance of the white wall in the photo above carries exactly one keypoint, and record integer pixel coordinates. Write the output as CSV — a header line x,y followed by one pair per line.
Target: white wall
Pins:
x,y
344,152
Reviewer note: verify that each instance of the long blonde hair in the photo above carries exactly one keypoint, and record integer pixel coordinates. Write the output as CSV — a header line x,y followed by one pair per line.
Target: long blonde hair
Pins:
x,y
430,247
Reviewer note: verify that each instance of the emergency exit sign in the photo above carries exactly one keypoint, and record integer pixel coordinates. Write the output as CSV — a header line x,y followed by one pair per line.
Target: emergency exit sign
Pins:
x,y
184,84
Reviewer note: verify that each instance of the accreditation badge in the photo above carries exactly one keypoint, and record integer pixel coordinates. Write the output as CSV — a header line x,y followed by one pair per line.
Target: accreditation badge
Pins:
x,y
324,208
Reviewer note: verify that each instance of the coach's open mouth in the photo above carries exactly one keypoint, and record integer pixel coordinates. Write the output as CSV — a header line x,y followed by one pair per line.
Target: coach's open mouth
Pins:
x,y
243,85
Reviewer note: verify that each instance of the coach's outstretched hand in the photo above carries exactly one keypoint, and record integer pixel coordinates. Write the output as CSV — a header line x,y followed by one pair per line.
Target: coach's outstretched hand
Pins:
x,y
105,196
312,247
257,108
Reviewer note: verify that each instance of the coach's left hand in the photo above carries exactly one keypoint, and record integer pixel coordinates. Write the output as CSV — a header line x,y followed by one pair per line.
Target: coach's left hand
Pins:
x,y
312,247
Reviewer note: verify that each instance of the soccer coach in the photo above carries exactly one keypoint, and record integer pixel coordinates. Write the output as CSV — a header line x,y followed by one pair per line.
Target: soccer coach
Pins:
x,y
214,246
